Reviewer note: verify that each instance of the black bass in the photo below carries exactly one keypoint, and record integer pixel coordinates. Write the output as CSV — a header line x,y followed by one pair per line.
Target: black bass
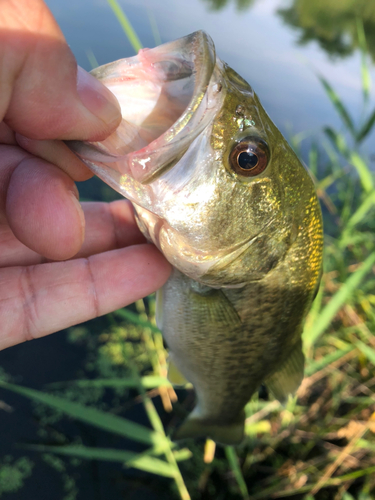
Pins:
x,y
219,191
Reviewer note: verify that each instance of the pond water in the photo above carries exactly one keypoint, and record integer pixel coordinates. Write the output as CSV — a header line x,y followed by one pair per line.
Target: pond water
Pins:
x,y
257,40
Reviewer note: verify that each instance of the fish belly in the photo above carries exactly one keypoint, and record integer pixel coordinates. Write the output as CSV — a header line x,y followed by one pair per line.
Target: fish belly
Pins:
x,y
224,343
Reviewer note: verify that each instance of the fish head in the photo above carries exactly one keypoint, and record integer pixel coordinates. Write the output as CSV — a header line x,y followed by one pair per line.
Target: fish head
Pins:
x,y
214,184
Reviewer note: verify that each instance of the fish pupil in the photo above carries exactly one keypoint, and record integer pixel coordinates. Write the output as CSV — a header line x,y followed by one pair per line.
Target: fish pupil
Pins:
x,y
249,157
247,160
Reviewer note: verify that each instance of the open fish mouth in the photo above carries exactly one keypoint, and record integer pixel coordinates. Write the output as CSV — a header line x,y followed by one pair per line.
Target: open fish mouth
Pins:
x,y
166,95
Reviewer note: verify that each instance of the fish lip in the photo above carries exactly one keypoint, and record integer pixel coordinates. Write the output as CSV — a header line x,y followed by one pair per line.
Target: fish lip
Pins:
x,y
197,52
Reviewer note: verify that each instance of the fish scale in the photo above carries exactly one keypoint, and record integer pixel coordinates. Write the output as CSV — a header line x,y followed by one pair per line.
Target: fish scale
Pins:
x,y
216,187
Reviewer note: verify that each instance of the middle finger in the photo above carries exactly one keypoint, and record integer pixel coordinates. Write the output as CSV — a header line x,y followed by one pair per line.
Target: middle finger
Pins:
x,y
108,226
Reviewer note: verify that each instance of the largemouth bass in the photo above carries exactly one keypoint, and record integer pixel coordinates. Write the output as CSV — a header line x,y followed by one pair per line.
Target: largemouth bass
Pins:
x,y
218,190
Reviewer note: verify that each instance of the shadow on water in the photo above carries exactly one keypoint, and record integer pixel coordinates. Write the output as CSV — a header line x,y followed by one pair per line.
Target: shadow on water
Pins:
x,y
77,353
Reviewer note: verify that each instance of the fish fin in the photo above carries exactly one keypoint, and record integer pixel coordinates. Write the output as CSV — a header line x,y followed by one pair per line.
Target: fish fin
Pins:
x,y
174,375
227,434
216,308
159,308
288,377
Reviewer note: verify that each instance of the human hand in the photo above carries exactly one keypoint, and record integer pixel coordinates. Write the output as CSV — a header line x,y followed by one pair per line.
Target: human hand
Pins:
x,y
41,220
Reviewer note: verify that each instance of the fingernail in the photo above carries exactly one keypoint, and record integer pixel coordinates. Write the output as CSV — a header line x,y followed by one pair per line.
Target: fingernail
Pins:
x,y
97,98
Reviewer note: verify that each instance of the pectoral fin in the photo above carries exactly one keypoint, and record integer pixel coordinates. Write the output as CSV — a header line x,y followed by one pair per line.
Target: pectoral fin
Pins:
x,y
288,378
216,310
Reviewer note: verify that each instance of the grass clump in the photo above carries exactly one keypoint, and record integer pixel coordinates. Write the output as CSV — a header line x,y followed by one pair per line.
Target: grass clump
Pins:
x,y
13,473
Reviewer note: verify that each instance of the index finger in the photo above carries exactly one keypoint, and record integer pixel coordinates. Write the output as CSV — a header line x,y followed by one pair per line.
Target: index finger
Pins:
x,y
108,226
42,96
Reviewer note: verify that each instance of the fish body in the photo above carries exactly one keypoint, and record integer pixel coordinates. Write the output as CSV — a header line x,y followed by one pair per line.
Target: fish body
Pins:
x,y
219,191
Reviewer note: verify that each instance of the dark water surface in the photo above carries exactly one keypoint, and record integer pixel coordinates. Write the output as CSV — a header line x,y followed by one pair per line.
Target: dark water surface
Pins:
x,y
260,43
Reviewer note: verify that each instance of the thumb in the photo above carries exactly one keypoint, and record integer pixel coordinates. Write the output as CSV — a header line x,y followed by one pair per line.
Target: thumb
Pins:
x,y
42,94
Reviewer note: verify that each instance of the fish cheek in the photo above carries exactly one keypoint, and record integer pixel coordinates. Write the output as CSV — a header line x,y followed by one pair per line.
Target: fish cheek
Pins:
x,y
263,201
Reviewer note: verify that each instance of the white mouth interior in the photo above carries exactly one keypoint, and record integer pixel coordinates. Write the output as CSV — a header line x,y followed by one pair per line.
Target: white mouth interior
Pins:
x,y
150,104
164,95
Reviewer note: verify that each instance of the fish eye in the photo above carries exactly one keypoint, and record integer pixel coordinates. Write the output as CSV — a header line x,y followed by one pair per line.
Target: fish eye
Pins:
x,y
249,157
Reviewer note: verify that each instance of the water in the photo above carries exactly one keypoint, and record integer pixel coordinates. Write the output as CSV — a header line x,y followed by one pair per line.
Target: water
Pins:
x,y
256,42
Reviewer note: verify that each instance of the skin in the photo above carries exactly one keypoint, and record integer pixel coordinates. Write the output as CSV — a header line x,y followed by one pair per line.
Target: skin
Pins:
x,y
61,263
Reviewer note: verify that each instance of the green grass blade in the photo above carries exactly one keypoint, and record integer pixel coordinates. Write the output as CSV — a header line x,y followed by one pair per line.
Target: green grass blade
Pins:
x,y
158,426
365,73
338,140
315,366
314,311
339,105
125,24
366,128
232,458
134,318
347,236
138,461
352,475
154,26
92,59
347,496
183,454
337,301
92,416
367,351
365,174
361,211
327,181
147,382
314,159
